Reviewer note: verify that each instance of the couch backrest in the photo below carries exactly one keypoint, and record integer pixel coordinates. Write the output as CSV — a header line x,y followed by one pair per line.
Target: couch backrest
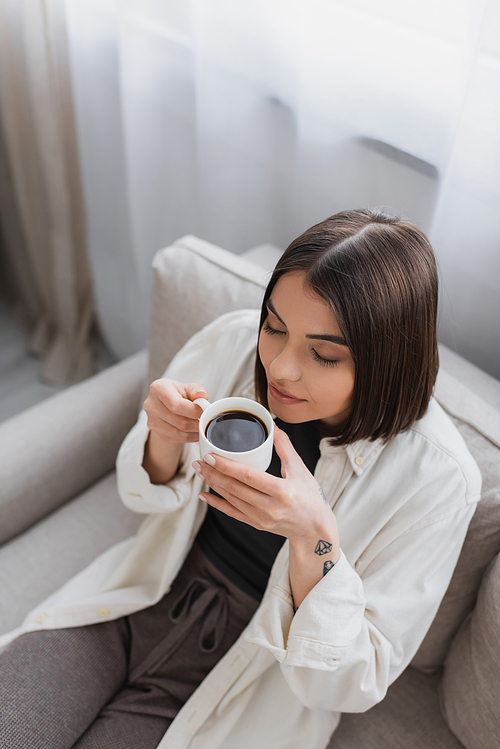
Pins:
x,y
195,282
472,399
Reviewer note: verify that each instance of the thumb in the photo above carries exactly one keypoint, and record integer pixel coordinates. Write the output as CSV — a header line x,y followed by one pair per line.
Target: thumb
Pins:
x,y
291,462
194,390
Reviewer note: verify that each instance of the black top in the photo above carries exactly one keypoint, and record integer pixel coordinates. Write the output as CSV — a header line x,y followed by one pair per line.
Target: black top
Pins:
x,y
242,553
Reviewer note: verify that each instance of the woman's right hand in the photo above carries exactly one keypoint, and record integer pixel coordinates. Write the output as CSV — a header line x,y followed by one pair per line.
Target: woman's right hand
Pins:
x,y
172,415
173,422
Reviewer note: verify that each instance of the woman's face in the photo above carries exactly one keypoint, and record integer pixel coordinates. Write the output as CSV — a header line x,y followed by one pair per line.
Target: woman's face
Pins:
x,y
309,369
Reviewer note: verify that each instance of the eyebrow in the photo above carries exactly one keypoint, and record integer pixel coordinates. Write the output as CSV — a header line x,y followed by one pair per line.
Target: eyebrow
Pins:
x,y
319,337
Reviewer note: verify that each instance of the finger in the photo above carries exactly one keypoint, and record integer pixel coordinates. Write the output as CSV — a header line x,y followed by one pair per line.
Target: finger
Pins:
x,y
173,396
261,512
234,471
193,391
170,432
290,459
217,481
161,418
243,497
226,507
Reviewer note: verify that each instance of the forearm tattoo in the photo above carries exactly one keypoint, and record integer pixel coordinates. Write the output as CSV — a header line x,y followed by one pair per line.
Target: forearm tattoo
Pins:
x,y
327,566
323,495
323,547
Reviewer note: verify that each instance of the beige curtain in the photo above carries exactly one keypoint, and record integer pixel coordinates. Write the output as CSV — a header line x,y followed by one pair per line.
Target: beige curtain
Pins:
x,y
41,200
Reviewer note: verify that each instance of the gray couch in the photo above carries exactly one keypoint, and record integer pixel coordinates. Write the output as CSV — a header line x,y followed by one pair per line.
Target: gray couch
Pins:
x,y
59,506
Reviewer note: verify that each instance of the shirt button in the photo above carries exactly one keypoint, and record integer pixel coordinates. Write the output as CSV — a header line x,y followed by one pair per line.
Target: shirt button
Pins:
x,y
103,612
359,460
41,618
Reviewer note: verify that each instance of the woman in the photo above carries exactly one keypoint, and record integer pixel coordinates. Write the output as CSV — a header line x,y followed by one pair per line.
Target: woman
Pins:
x,y
254,607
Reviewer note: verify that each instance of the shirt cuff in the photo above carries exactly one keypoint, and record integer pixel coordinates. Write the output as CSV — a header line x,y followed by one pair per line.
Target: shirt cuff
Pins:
x,y
322,630
134,485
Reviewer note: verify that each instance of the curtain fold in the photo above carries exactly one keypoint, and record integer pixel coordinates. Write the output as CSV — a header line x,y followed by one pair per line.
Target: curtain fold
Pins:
x,y
245,122
41,158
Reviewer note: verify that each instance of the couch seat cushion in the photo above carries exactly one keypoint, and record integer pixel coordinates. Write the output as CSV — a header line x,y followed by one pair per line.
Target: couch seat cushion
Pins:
x,y
38,561
407,718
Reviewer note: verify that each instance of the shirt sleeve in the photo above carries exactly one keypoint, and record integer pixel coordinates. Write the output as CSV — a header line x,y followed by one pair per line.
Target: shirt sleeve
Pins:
x,y
355,633
218,358
135,488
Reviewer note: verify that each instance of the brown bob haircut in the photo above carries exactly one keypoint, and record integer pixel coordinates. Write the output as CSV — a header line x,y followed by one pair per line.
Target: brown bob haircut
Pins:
x,y
378,274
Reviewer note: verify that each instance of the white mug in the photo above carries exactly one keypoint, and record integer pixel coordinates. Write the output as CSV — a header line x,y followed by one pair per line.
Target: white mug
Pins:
x,y
259,457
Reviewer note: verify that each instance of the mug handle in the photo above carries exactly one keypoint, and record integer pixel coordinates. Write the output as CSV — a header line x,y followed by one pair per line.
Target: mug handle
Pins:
x,y
202,403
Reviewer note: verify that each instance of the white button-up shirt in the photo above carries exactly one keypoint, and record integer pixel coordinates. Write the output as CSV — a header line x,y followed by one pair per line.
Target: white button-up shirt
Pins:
x,y
402,509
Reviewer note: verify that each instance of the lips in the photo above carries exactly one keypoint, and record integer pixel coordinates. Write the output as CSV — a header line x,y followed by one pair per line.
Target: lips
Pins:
x,y
282,395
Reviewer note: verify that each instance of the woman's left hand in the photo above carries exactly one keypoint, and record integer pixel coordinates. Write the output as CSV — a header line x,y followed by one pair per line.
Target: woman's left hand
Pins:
x,y
292,506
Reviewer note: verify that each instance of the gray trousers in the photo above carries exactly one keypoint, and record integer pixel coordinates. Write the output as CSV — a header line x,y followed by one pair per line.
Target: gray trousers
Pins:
x,y
119,684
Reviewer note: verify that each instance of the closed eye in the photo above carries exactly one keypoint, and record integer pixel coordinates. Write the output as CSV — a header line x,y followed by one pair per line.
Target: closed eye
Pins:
x,y
321,360
272,331
324,362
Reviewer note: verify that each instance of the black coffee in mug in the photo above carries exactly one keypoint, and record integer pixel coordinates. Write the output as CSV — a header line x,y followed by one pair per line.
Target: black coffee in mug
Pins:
x,y
236,431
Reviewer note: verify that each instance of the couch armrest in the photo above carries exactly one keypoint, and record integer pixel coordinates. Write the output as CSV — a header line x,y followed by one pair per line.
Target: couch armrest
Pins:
x,y
56,449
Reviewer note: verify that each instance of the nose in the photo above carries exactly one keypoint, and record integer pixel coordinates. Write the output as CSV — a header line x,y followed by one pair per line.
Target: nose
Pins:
x,y
285,366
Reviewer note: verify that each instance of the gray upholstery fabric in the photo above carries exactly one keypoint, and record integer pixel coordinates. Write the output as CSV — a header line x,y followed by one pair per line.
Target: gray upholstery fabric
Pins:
x,y
265,255
470,376
481,545
39,561
479,427
194,282
55,449
470,690
407,718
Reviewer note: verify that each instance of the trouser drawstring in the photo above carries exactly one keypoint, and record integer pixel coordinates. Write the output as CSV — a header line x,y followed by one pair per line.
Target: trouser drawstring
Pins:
x,y
199,600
